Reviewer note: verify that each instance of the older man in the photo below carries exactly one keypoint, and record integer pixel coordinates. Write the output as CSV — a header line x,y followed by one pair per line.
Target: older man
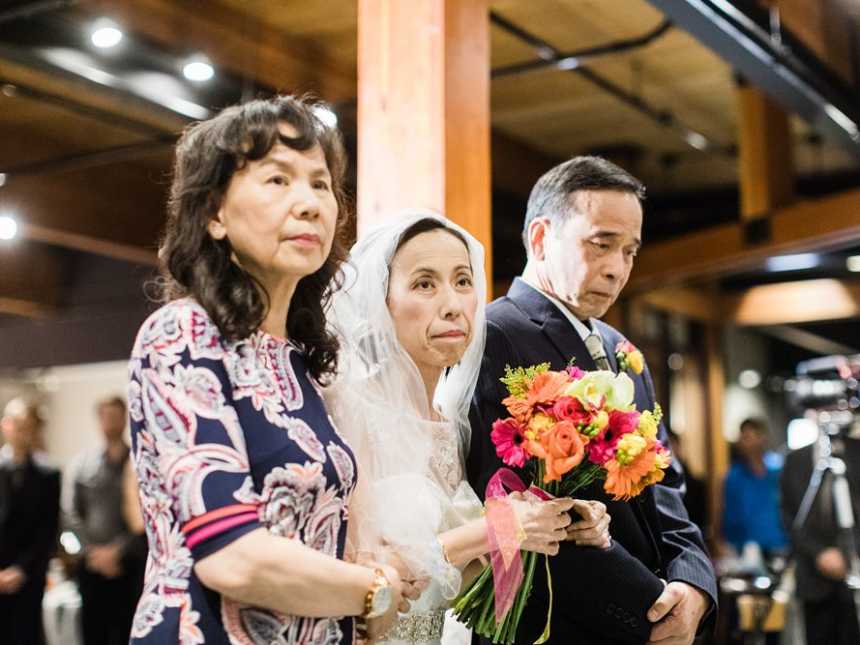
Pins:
x,y
582,232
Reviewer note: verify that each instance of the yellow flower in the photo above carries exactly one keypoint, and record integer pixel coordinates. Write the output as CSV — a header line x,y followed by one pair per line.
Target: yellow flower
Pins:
x,y
540,423
629,448
600,420
648,425
636,361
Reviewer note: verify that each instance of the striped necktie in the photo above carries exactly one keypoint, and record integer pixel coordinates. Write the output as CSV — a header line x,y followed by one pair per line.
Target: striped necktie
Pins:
x,y
595,348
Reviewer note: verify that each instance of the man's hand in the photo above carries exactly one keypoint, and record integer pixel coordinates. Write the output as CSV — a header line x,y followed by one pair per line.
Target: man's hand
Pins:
x,y
105,559
593,528
12,579
676,614
831,564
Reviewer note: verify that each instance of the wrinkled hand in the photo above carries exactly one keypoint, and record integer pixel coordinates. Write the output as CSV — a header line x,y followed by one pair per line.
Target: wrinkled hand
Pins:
x,y
413,586
12,579
593,528
105,559
378,627
544,522
676,614
831,563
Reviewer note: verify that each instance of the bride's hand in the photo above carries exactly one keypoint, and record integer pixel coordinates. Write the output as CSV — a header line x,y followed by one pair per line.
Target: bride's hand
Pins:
x,y
544,523
593,528
413,586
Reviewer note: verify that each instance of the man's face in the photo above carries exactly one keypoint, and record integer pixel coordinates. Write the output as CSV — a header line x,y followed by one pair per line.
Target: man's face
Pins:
x,y
19,431
752,442
112,421
588,254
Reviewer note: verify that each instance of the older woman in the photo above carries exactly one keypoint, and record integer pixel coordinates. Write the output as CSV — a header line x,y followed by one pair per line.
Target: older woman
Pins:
x,y
411,321
244,481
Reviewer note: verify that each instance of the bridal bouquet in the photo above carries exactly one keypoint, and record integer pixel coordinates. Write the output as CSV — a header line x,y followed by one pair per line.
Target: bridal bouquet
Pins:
x,y
567,429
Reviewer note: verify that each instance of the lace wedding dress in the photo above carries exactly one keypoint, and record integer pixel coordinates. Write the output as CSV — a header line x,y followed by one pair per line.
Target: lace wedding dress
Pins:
x,y
410,482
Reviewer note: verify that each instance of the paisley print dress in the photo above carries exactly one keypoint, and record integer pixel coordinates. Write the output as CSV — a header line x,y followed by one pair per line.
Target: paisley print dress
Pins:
x,y
229,437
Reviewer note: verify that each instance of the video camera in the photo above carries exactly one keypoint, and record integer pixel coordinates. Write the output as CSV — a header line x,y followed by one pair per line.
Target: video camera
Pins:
x,y
830,386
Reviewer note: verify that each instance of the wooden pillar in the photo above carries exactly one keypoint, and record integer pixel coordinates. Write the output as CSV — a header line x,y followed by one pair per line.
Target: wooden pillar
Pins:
x,y
718,448
765,164
424,111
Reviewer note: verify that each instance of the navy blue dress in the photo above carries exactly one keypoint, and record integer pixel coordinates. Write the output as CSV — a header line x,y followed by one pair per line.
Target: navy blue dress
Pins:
x,y
229,437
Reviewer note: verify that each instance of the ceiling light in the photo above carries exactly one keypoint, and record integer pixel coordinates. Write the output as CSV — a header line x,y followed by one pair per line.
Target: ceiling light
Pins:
x,y
749,379
567,64
106,34
853,263
792,262
696,140
326,115
676,362
198,69
8,227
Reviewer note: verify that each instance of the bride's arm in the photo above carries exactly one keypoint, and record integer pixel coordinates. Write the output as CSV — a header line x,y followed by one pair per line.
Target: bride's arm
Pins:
x,y
544,523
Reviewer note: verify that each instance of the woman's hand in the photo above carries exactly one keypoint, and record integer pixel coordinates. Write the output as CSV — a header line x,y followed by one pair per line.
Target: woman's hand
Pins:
x,y
593,528
544,523
378,627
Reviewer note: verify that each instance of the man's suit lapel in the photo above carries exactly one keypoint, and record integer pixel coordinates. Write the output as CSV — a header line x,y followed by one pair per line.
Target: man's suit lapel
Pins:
x,y
553,324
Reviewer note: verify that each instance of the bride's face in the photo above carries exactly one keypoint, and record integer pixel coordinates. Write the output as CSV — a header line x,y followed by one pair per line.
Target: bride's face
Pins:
x,y
432,298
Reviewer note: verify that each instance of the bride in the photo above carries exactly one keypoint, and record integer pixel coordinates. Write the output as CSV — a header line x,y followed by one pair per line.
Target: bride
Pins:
x,y
411,324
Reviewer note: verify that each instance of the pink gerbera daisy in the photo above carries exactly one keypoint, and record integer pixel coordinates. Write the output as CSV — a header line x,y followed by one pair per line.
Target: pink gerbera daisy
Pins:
x,y
508,438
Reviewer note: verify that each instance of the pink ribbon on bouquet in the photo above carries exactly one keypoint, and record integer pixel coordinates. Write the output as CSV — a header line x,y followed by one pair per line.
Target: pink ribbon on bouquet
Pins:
x,y
505,536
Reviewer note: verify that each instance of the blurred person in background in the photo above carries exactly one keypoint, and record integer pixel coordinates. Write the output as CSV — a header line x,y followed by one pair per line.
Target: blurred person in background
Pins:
x,y
830,614
109,574
29,517
751,499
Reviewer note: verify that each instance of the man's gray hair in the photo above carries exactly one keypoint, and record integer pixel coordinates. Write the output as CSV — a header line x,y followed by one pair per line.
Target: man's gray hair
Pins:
x,y
551,195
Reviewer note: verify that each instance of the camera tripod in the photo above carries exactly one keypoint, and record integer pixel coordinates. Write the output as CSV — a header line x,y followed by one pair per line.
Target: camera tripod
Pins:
x,y
827,461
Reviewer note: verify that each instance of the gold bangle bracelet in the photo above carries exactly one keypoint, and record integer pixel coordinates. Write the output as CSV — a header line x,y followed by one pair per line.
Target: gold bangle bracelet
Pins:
x,y
445,552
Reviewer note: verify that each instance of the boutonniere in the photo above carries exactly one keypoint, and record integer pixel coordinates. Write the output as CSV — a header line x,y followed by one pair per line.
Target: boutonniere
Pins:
x,y
629,358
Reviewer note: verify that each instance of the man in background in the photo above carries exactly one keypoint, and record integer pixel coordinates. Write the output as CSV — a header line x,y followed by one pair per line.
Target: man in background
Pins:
x,y
107,577
829,612
751,504
29,515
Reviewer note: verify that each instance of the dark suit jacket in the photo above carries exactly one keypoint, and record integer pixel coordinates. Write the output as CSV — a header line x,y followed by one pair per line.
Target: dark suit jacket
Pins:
x,y
29,517
599,596
819,531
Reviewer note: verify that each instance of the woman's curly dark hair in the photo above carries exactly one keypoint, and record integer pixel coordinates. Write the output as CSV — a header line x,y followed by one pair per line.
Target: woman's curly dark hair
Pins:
x,y
195,264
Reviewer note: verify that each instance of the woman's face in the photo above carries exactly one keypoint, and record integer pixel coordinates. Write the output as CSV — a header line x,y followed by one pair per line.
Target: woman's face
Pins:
x,y
432,298
279,212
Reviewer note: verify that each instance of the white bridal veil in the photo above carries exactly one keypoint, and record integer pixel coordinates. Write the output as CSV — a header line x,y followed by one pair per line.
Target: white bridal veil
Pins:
x,y
410,469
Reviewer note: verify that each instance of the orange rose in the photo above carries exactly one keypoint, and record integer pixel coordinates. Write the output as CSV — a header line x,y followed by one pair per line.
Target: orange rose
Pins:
x,y
564,450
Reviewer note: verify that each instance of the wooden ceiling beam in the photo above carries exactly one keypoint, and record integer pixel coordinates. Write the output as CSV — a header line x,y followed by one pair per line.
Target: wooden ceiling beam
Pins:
x,y
31,279
765,166
795,302
817,224
234,41
699,303
81,96
116,211
784,303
